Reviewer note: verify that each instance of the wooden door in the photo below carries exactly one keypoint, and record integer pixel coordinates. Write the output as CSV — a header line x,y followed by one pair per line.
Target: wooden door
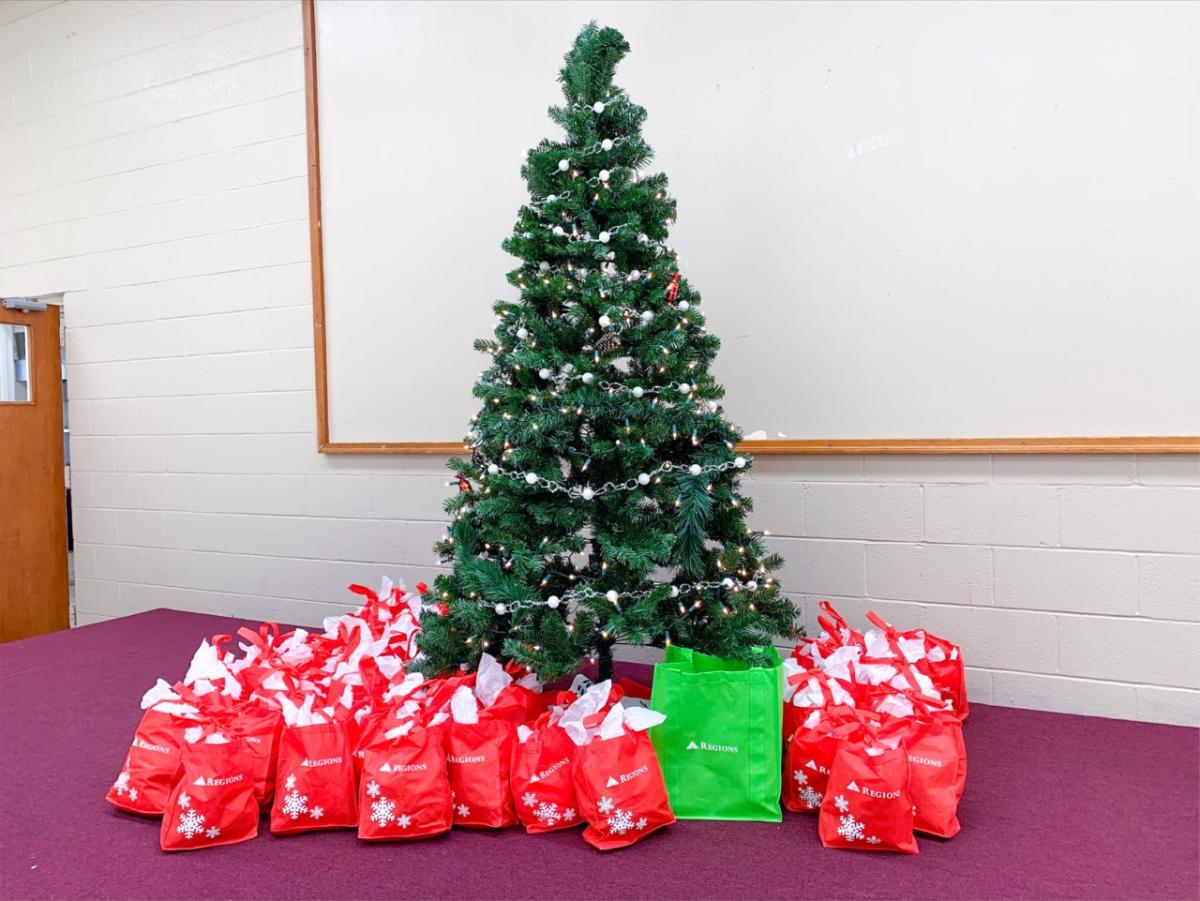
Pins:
x,y
33,515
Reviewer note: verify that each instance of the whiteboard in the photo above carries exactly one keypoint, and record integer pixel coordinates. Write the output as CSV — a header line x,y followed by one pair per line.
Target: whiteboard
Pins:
x,y
906,220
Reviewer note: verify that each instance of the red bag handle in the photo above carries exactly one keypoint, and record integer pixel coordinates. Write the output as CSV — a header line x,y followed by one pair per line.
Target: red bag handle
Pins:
x,y
901,662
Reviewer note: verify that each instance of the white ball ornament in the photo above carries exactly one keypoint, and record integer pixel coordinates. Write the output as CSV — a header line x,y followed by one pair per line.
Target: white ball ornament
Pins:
x,y
605,321
604,174
559,231
531,478
568,368
553,601
544,266
522,333
739,462
752,585
684,305
674,591
587,493
612,596
643,478
545,373
634,274
694,469
604,237
606,144
727,583
501,609
684,388
588,378
598,107
639,391
647,315
493,469
564,165
611,255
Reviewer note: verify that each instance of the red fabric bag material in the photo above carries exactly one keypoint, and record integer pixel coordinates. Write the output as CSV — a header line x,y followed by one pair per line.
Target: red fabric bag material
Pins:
x,y
943,662
809,754
316,780
151,765
543,789
620,790
478,758
867,804
937,761
212,802
405,788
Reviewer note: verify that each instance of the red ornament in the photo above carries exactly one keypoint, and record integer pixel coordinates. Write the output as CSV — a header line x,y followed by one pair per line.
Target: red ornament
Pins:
x,y
464,484
673,288
422,588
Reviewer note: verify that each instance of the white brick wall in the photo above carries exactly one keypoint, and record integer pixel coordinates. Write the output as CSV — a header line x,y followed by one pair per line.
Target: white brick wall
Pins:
x,y
152,167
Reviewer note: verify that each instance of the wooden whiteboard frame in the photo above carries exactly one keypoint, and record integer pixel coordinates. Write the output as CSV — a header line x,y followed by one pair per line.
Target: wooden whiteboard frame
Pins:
x,y
783,446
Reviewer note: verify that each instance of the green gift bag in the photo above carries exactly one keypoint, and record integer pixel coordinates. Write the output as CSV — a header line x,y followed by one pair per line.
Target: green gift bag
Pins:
x,y
720,746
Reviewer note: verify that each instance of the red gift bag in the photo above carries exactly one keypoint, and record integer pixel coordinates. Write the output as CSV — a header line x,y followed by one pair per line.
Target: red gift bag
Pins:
x,y
405,789
478,757
867,803
212,802
808,756
152,763
937,761
940,660
543,789
618,782
316,780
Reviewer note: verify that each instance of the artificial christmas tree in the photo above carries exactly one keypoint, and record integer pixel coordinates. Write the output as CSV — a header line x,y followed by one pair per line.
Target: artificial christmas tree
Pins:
x,y
600,503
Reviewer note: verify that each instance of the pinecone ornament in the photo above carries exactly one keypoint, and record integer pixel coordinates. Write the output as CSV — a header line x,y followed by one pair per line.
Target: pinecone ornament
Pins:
x,y
477,457
609,343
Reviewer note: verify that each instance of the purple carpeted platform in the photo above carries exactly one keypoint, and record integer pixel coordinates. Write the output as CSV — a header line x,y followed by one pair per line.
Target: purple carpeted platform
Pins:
x,y
1056,807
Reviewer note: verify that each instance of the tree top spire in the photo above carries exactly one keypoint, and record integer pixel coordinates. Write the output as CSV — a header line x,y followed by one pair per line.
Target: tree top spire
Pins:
x,y
591,63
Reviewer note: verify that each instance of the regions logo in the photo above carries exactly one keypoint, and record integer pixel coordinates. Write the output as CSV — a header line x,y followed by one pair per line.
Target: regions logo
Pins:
x,y
625,777
323,761
554,767
708,746
219,780
870,792
146,746
475,758
403,767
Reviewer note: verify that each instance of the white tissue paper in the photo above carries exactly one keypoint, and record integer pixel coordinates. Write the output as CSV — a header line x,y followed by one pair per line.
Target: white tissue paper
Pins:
x,y
207,667
490,680
463,706
303,715
592,702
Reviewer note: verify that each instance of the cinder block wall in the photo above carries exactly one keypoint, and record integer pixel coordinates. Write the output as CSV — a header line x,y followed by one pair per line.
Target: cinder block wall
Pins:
x,y
152,168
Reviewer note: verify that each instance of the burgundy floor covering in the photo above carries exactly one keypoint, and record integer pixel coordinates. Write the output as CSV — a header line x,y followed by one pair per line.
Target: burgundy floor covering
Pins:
x,y
1056,807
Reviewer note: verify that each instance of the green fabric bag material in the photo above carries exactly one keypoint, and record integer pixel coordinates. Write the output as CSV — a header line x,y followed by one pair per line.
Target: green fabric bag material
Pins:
x,y
721,743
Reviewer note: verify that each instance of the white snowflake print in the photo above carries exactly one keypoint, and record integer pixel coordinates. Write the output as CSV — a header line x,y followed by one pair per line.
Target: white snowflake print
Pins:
x,y
568,814
122,784
605,805
185,800
801,777
190,824
463,810
529,799
383,811
620,822
373,789
295,804
850,828
290,782
548,813
404,821
841,803
317,812
133,794
642,823
212,832
811,798
873,839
